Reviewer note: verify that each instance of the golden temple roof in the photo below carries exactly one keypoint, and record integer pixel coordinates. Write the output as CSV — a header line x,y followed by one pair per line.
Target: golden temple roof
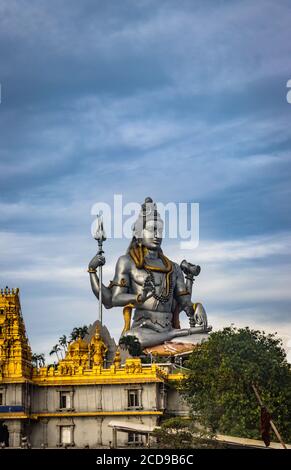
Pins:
x,y
80,344
83,364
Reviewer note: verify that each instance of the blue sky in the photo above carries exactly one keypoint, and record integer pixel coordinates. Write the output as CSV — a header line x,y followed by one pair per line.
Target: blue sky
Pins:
x,y
183,101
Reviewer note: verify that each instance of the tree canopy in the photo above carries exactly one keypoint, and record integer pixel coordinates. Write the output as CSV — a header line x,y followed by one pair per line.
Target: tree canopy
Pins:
x,y
221,373
78,332
132,344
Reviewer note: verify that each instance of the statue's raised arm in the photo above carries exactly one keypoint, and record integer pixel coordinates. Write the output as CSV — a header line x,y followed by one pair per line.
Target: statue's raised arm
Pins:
x,y
99,260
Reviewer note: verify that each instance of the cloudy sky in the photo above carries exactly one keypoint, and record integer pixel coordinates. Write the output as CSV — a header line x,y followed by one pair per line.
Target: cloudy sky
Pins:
x,y
183,101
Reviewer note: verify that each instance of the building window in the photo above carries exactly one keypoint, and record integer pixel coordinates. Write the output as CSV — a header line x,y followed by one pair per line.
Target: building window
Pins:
x,y
134,398
134,438
1,397
65,400
66,435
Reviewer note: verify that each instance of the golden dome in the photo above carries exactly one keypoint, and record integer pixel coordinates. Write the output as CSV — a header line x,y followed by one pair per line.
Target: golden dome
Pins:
x,y
79,344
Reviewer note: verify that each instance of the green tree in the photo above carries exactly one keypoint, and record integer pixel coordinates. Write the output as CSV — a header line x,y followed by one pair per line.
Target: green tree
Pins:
x,y
38,360
222,370
41,359
132,344
79,332
55,350
63,342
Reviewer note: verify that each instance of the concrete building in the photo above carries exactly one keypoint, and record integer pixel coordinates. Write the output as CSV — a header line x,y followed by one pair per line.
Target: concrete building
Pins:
x,y
78,402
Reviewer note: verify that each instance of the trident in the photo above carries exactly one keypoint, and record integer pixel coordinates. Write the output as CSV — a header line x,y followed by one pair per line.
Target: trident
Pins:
x,y
100,236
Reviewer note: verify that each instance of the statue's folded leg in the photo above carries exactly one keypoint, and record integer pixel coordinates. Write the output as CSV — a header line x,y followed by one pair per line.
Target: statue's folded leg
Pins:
x,y
192,331
148,337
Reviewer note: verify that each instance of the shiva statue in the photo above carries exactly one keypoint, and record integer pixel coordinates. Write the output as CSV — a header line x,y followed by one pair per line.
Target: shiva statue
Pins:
x,y
152,285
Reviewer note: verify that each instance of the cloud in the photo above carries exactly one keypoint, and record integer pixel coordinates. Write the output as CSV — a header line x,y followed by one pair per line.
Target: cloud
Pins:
x,y
201,49
183,103
250,248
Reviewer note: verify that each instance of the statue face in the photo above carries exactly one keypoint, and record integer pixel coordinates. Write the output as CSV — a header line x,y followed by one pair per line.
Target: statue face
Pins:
x,y
152,235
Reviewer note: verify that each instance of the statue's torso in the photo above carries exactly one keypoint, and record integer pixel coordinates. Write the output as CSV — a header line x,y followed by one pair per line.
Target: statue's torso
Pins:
x,y
137,277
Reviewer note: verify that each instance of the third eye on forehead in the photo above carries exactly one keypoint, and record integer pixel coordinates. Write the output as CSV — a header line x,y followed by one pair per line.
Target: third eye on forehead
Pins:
x,y
155,228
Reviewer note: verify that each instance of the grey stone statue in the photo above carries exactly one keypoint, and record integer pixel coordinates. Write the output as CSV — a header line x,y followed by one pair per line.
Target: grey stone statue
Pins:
x,y
152,285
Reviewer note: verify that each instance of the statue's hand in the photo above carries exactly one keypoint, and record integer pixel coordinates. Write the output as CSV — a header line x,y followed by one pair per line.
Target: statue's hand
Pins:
x,y
190,314
147,290
97,261
200,315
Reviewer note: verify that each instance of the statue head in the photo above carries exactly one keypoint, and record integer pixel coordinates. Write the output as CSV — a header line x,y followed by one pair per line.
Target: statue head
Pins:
x,y
97,335
148,229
